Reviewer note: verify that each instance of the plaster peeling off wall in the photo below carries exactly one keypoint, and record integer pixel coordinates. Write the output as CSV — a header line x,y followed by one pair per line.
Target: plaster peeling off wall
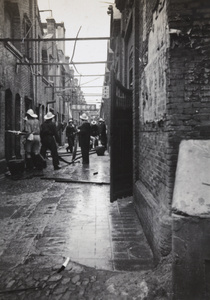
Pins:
x,y
153,82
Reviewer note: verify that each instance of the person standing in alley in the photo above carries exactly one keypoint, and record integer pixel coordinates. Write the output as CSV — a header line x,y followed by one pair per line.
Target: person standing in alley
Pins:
x,y
32,143
70,133
94,133
84,136
49,137
102,132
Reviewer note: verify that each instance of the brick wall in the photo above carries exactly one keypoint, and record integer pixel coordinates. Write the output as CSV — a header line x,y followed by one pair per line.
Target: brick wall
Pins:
x,y
20,79
188,107
151,190
190,60
2,120
174,104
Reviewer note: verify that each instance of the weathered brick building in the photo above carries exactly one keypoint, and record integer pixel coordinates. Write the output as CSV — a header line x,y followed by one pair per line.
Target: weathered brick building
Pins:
x,y
29,76
162,54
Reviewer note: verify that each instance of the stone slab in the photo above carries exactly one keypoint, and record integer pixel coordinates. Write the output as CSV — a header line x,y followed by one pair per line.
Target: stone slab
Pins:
x,y
192,183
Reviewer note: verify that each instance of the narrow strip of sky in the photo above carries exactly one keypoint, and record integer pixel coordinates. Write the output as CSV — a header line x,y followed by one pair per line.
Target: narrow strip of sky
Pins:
x,y
92,17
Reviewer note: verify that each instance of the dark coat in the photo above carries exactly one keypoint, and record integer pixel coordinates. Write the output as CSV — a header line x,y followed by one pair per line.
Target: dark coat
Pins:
x,y
84,135
70,130
49,135
48,129
94,130
84,138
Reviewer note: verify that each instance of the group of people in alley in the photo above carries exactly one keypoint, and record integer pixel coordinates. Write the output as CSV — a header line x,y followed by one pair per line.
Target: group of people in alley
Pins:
x,y
41,138
90,134
45,136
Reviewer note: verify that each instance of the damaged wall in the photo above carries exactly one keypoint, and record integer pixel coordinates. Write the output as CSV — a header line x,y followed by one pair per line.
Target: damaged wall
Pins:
x,y
153,79
171,100
151,191
174,104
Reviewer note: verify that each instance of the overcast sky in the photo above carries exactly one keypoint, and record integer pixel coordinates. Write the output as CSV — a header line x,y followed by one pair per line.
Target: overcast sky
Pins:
x,y
92,17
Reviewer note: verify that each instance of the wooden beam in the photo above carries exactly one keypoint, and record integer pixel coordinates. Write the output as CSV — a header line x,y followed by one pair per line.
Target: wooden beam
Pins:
x,y
92,75
81,86
53,39
89,94
67,75
89,86
63,64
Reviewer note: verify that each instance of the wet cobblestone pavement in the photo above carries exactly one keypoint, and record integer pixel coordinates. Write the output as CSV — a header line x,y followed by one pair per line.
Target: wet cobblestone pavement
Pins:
x,y
44,221
78,282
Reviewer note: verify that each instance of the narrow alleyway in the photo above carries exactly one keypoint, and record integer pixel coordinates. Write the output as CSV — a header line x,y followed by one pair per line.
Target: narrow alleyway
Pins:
x,y
46,220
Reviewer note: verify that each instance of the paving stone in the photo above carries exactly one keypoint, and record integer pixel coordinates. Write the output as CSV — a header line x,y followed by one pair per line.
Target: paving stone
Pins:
x,y
93,278
47,293
55,278
60,290
52,286
36,277
65,280
66,296
56,297
75,279
10,284
45,278
85,282
81,291
71,287
96,287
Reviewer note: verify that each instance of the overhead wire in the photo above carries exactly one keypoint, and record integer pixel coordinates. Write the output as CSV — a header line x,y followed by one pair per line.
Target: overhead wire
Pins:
x,y
74,48
90,81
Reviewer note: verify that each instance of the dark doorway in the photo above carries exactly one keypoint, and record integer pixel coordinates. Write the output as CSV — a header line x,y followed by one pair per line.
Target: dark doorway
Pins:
x,y
28,104
17,126
121,140
9,138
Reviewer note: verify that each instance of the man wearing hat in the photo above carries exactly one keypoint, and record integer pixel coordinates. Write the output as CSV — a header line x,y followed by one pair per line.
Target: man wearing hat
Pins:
x,y
70,133
49,137
32,145
84,135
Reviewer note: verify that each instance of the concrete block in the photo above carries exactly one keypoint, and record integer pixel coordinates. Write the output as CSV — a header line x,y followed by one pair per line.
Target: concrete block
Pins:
x,y
191,222
192,184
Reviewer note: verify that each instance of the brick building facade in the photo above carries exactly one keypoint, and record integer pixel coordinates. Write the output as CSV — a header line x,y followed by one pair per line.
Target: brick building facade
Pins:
x,y
162,53
27,80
